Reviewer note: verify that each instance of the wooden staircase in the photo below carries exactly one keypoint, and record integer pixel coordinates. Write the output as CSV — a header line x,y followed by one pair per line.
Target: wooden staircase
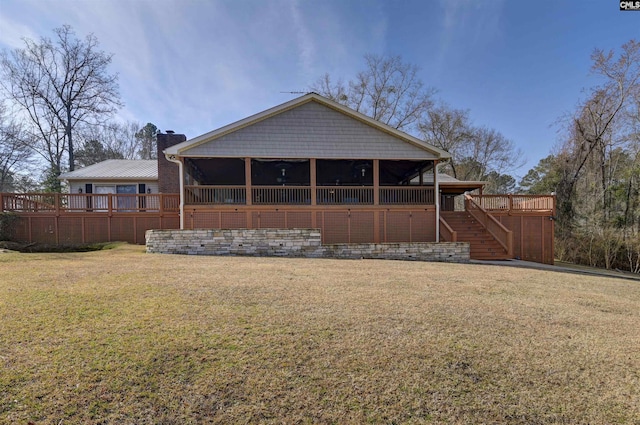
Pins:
x,y
483,244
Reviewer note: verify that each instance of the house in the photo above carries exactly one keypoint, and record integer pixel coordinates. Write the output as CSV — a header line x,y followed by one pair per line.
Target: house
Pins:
x,y
122,176
311,163
114,176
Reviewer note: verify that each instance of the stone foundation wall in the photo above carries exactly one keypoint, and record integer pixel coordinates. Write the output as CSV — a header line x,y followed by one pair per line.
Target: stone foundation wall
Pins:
x,y
294,243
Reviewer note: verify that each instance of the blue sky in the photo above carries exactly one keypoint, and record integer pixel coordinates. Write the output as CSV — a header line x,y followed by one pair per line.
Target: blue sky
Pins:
x,y
195,65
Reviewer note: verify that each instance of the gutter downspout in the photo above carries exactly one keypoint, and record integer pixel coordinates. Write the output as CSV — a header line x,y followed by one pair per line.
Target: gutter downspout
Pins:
x,y
436,188
172,158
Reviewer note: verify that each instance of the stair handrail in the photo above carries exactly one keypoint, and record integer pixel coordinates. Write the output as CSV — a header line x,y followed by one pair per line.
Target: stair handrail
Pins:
x,y
447,232
501,234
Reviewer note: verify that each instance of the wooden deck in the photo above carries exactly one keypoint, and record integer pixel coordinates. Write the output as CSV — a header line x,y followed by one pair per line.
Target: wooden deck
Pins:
x,y
496,226
504,227
59,219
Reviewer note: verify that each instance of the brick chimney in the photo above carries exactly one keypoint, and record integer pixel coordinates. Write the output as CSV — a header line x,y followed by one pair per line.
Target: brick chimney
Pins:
x,y
168,172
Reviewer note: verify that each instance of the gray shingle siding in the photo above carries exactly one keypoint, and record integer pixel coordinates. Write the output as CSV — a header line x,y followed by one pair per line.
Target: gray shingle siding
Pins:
x,y
310,130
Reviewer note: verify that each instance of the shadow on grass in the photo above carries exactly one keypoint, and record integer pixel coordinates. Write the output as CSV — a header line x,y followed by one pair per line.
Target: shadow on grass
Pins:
x,y
40,247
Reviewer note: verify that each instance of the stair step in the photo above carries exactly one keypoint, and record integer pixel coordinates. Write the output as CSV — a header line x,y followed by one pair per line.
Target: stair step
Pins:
x,y
482,245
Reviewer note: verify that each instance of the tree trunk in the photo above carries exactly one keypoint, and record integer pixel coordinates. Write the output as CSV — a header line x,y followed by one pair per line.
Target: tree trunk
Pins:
x,y
72,161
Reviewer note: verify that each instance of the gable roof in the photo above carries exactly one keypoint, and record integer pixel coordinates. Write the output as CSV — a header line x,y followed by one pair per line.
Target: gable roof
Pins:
x,y
308,126
116,169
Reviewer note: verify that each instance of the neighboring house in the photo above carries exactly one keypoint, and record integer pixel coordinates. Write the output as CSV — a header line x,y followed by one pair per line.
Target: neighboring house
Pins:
x,y
113,176
130,176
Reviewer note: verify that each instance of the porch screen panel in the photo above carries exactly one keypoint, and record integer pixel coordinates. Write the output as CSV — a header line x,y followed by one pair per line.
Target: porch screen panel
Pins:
x,y
336,227
423,228
43,229
233,220
70,229
96,229
361,228
398,226
205,220
299,220
122,229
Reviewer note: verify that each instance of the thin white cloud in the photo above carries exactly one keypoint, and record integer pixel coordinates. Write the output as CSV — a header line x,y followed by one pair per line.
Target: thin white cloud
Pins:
x,y
12,33
305,42
468,24
192,65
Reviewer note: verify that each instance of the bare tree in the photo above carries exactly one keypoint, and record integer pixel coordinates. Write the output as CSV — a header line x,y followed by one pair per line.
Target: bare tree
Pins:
x,y
596,127
448,129
93,152
118,140
387,90
493,151
59,85
477,153
14,150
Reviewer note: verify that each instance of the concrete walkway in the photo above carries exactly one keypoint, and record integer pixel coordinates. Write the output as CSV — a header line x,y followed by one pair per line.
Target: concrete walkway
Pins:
x,y
562,267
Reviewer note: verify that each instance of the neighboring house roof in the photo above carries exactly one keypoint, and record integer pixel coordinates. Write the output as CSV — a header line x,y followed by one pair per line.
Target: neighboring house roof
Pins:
x,y
310,126
445,179
116,169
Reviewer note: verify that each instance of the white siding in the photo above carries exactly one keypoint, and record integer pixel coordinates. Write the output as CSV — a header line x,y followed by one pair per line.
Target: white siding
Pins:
x,y
310,130
75,185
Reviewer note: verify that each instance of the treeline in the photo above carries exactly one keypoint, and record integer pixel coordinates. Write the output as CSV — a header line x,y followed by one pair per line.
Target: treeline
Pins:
x,y
595,171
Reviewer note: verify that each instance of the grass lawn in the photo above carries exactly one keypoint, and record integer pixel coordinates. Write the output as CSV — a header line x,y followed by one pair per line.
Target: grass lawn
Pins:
x,y
125,337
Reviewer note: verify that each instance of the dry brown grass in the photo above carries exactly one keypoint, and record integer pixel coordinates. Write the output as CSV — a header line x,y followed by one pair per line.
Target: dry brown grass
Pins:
x,y
124,337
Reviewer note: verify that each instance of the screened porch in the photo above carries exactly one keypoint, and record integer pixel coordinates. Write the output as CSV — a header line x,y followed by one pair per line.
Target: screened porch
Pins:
x,y
257,181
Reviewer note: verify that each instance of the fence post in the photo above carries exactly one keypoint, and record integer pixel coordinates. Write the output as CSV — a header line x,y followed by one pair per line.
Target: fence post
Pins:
x,y
1,202
510,243
510,202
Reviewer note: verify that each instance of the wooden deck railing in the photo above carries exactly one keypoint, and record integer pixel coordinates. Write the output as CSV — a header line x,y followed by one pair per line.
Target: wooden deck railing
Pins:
x,y
30,202
447,234
214,195
406,195
493,226
516,202
72,202
340,195
301,195
281,195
